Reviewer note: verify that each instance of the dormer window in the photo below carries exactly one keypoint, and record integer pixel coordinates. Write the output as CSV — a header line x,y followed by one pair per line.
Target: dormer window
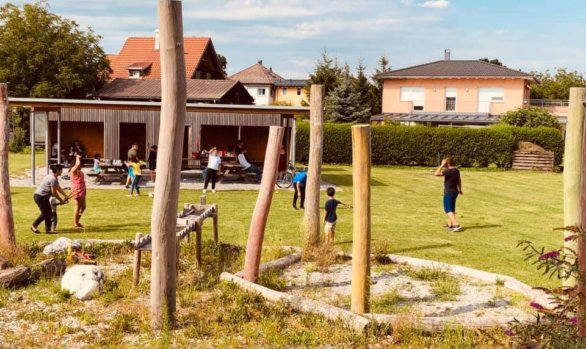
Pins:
x,y
135,74
138,70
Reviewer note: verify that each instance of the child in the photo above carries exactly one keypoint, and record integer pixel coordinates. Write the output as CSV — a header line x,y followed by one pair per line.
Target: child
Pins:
x,y
97,169
299,182
54,203
136,176
452,188
330,216
78,190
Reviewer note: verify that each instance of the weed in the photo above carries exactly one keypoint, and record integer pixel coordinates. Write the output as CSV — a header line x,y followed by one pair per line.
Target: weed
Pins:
x,y
390,302
500,282
446,288
323,256
4,297
273,279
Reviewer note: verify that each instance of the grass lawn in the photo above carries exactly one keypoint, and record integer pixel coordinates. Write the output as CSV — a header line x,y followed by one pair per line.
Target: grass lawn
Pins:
x,y
20,162
497,209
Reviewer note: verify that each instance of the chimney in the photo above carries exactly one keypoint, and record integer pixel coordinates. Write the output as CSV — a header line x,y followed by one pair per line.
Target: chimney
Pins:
x,y
447,53
271,69
157,40
260,61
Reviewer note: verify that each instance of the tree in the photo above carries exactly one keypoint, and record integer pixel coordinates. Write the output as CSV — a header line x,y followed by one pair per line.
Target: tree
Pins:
x,y
492,61
364,88
343,104
383,67
223,61
326,73
556,86
530,117
44,55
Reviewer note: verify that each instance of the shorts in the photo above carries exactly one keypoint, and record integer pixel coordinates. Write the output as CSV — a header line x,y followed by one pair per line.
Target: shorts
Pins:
x,y
330,227
450,203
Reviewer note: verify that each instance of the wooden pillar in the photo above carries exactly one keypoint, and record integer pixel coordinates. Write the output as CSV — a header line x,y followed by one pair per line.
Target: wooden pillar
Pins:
x,y
361,221
137,257
198,233
59,137
202,200
573,165
215,224
163,219
577,100
7,235
312,221
263,204
32,141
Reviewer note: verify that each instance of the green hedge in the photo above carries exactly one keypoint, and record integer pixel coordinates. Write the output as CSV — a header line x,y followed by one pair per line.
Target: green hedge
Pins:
x,y
422,146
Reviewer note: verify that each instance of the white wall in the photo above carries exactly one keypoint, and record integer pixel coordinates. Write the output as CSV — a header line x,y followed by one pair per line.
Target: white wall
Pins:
x,y
267,99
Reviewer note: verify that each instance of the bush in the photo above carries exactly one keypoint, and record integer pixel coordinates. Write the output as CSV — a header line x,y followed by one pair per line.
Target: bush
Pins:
x,y
423,146
530,117
18,140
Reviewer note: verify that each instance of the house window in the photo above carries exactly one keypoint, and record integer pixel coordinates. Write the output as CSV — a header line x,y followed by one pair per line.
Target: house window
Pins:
x,y
135,74
284,91
208,76
299,91
489,95
451,94
261,92
415,95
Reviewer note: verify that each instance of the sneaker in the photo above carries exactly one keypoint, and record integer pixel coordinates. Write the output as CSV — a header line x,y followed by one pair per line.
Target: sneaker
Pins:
x,y
456,228
35,230
204,191
447,227
213,190
295,207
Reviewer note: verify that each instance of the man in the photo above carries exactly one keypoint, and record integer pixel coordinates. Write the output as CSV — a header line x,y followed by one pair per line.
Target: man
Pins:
x,y
299,182
247,166
239,147
132,153
452,187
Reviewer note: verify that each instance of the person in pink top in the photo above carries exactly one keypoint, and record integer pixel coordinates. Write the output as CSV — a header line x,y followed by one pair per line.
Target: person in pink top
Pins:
x,y
78,191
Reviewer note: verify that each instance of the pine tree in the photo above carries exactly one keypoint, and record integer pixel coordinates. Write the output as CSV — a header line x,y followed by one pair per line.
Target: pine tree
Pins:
x,y
326,73
383,67
363,87
343,104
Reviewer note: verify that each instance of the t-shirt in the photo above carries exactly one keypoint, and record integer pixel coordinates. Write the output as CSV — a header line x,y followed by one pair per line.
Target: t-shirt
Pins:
x,y
49,182
135,166
243,161
54,203
331,206
451,180
132,153
301,178
214,162
97,165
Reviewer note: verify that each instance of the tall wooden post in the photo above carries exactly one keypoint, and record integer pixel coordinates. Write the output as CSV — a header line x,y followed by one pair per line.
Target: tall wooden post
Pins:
x,y
361,221
163,219
577,100
7,236
573,165
263,204
312,220
137,257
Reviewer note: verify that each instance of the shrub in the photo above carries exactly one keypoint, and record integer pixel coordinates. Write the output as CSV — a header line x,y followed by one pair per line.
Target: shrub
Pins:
x,y
530,117
422,146
18,140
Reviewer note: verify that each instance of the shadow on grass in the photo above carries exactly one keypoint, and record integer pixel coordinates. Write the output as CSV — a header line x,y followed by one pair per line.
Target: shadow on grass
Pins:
x,y
419,248
478,227
346,180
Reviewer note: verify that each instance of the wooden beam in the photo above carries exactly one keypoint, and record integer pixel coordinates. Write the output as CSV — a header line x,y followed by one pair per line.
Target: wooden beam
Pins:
x,y
136,262
7,233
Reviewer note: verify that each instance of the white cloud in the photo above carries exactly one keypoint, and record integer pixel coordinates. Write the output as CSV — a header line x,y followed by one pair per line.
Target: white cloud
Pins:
x,y
435,4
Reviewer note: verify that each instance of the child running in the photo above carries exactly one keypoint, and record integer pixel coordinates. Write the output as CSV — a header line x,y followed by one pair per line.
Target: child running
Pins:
x,y
330,216
134,166
452,187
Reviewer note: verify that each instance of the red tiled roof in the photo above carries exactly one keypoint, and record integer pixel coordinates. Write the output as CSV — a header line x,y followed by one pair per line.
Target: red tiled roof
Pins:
x,y
257,74
142,49
197,89
453,69
140,66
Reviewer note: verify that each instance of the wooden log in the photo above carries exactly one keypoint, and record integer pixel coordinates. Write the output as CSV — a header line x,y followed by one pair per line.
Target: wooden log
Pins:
x,y
215,224
136,262
49,268
202,200
171,130
361,222
14,277
301,304
198,247
7,235
3,263
280,263
311,218
573,166
263,204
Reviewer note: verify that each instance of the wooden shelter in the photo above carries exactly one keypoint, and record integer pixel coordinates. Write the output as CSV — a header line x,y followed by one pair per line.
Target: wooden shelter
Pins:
x,y
110,127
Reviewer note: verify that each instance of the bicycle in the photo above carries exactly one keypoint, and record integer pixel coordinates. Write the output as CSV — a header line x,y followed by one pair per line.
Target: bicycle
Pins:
x,y
285,179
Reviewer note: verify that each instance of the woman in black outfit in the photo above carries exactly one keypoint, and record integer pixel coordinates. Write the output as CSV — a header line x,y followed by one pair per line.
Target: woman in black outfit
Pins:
x,y
49,187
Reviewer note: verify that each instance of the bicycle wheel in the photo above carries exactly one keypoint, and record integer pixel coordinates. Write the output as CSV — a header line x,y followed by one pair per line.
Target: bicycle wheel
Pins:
x,y
285,181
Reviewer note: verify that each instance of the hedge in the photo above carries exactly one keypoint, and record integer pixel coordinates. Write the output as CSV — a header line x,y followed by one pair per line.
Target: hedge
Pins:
x,y
422,146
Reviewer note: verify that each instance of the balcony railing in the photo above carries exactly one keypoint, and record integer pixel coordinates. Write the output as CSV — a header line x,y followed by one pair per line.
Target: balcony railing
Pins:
x,y
546,103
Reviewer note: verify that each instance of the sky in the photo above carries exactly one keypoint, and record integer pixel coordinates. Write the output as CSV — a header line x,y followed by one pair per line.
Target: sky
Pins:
x,y
290,35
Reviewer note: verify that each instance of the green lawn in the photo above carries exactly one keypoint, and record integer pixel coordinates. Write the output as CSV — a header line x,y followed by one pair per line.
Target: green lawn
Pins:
x,y
497,210
19,162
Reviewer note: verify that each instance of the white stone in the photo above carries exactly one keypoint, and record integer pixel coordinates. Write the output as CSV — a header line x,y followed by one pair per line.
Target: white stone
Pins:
x,y
84,281
60,245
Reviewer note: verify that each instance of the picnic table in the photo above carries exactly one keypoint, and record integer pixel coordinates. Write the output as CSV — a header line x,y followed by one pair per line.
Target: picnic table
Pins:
x,y
121,168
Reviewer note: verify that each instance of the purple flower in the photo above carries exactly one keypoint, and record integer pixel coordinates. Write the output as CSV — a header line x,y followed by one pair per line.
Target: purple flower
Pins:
x,y
536,306
572,321
510,333
548,255
570,238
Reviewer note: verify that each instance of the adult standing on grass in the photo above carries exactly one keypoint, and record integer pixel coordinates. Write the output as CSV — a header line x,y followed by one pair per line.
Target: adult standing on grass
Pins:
x,y
452,188
49,186
132,153
78,190
299,182
212,170
152,161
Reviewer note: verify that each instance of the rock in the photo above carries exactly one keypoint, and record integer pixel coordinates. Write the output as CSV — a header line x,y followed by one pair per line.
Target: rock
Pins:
x,y
14,277
60,245
49,268
84,281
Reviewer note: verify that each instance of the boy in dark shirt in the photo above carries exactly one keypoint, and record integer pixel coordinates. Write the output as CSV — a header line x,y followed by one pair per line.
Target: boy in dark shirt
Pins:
x,y
452,187
330,216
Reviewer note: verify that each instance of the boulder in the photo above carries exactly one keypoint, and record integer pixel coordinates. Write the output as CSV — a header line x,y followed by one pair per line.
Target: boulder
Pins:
x,y
84,281
60,245
15,277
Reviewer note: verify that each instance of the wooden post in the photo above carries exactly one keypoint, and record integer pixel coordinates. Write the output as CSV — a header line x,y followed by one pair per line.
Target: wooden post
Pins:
x,y
163,219
312,221
361,222
198,233
215,224
202,200
577,100
137,255
263,204
32,141
573,165
7,235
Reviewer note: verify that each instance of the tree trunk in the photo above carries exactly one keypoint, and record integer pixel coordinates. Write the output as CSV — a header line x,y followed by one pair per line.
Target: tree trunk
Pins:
x,y
164,214
14,277
573,166
263,204
577,98
7,236
3,263
361,223
311,219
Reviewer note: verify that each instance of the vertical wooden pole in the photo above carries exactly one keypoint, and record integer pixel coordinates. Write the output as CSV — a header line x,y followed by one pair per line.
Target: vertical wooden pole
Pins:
x,y
7,235
573,164
312,220
198,233
32,141
163,219
137,257
577,100
361,222
215,224
202,200
263,204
